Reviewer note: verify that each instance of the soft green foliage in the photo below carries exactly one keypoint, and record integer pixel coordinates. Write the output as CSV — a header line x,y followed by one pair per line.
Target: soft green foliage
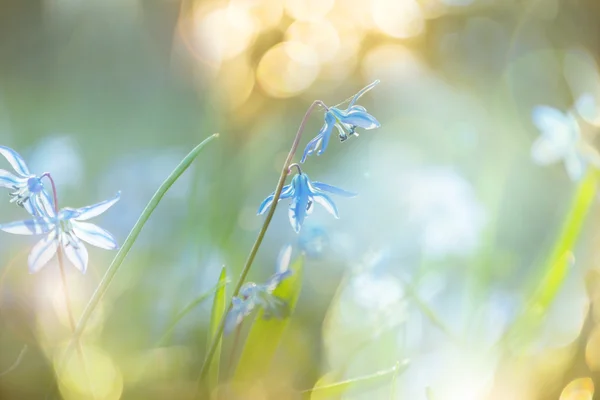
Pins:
x,y
557,265
133,235
218,310
265,335
325,390
190,307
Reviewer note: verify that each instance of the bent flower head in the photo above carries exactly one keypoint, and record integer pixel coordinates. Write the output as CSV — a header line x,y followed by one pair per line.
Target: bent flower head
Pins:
x,y
254,295
303,194
68,229
28,189
345,121
561,139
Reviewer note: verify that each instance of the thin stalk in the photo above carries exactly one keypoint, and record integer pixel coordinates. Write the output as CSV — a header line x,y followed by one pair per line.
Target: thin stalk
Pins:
x,y
63,277
17,362
261,234
128,244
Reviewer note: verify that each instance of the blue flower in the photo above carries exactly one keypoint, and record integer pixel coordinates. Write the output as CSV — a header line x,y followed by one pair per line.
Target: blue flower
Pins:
x,y
561,140
66,229
253,295
346,121
28,189
304,194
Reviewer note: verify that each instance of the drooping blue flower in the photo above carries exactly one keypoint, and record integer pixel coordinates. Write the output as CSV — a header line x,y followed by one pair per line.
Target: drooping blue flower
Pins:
x,y
67,229
561,139
346,121
254,295
28,189
304,194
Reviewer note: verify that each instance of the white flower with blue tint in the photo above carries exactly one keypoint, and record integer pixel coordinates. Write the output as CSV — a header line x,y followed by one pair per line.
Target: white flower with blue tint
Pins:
x,y
304,194
253,295
28,190
66,229
346,121
561,140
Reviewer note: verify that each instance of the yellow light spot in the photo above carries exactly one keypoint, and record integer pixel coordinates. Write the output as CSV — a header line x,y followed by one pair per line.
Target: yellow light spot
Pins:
x,y
320,35
578,389
267,12
398,18
99,374
223,33
308,10
287,69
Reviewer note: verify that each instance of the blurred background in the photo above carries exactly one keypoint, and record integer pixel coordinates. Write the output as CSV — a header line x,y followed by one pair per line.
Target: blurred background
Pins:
x,y
431,263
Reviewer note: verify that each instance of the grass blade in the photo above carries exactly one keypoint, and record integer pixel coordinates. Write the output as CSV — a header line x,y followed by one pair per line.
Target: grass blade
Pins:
x,y
556,267
335,390
133,235
265,335
218,310
186,310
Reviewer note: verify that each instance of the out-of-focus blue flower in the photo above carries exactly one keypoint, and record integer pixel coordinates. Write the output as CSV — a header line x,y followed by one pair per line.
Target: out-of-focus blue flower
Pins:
x,y
346,121
304,194
28,189
561,140
66,229
254,295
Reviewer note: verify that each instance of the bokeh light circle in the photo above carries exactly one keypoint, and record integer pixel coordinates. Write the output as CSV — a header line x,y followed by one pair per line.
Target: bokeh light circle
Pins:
x,y
287,69
308,10
320,35
399,19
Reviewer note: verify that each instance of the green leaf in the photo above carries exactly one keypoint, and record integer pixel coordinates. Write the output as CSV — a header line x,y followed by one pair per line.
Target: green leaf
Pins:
x,y
556,268
265,335
128,244
325,390
218,310
186,310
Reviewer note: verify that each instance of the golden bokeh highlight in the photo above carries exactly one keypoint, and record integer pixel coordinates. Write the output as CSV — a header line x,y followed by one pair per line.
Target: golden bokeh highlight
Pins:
x,y
578,389
73,376
223,33
267,13
287,69
320,35
308,10
400,19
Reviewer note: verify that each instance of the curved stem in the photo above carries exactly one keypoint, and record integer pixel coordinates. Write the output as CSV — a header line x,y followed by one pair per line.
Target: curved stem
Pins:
x,y
261,234
63,277
297,167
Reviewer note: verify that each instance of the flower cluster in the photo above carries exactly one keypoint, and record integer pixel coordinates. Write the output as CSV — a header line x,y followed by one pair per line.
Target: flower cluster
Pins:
x,y
253,295
561,138
65,229
303,194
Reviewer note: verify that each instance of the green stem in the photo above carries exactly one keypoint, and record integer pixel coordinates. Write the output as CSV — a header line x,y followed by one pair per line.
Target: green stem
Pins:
x,y
133,235
284,173
557,266
63,277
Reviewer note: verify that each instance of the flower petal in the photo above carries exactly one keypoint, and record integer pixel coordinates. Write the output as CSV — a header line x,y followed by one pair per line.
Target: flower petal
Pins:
x,y
327,203
8,180
76,253
94,235
15,160
92,211
588,109
575,165
41,205
363,91
561,128
28,227
42,253
300,203
286,192
545,151
360,118
322,138
323,187
239,310
283,260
